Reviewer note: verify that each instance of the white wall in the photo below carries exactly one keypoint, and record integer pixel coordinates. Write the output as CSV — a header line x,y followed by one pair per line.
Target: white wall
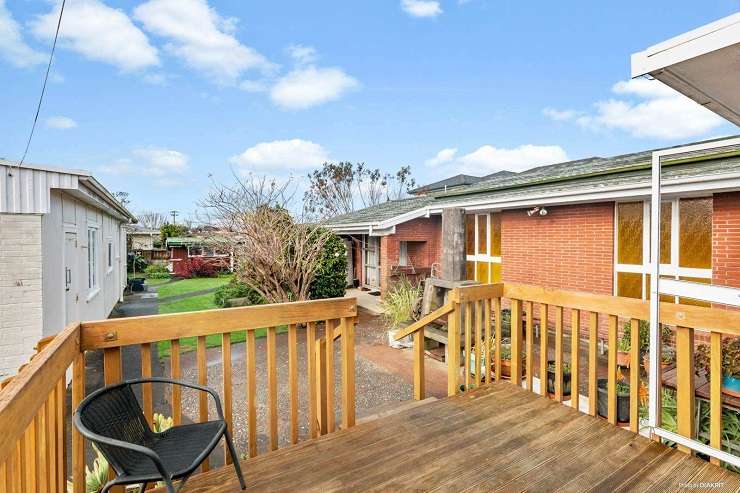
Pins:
x,y
21,293
69,215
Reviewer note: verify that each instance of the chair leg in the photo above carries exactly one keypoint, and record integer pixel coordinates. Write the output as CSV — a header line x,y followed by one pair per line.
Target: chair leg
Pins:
x,y
235,459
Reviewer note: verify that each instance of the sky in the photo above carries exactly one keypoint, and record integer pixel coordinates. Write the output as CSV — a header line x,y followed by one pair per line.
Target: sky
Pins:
x,y
163,98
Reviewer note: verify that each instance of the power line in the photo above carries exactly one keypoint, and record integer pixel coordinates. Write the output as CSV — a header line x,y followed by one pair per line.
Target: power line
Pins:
x,y
43,88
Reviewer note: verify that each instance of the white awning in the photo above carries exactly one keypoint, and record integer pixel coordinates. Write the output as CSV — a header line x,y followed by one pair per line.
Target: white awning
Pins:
x,y
703,64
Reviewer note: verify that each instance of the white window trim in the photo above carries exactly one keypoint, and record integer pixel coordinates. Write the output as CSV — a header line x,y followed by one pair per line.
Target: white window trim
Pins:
x,y
483,257
673,270
110,255
403,253
93,281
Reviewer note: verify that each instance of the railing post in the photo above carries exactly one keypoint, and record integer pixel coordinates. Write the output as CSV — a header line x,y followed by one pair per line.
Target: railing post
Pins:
x,y
559,353
593,336
543,347
635,375
612,369
78,441
575,357
454,323
685,383
321,407
516,338
497,338
419,390
348,372
715,394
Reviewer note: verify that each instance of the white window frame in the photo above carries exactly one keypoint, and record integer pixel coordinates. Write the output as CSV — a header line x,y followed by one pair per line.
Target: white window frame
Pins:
x,y
92,259
403,253
673,270
483,257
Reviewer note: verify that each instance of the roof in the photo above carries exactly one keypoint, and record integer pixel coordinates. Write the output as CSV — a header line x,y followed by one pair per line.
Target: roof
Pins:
x,y
591,178
458,181
701,64
26,189
177,241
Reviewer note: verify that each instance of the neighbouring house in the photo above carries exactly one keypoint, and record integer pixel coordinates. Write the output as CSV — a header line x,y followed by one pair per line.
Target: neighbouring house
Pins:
x,y
579,225
147,243
62,254
183,248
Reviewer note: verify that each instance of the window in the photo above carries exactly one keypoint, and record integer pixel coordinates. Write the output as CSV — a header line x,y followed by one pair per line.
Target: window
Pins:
x,y
110,255
685,244
92,258
483,247
403,253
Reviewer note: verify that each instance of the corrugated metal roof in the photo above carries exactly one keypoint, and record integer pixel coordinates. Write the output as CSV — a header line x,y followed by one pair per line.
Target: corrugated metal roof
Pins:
x,y
26,190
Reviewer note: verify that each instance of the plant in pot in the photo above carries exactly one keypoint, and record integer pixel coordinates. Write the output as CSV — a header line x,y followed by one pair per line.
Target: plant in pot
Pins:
x,y
667,359
624,345
623,398
623,351
551,378
399,310
730,364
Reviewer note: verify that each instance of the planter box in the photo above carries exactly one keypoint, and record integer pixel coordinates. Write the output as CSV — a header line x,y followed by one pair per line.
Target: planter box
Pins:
x,y
623,403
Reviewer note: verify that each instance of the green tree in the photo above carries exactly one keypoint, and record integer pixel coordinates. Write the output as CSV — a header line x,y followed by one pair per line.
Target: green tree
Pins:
x,y
168,230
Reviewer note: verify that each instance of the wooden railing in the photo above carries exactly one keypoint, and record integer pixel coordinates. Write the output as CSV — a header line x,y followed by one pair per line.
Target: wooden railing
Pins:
x,y
472,311
34,413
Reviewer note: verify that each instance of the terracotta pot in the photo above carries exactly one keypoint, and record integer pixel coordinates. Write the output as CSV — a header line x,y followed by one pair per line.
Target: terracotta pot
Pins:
x,y
646,364
623,359
506,368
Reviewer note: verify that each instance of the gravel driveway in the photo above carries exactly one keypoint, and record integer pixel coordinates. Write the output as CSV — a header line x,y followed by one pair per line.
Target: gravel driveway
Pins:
x,y
375,385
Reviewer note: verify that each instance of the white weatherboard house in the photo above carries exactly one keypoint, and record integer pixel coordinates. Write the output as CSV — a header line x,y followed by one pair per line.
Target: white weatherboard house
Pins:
x,y
62,255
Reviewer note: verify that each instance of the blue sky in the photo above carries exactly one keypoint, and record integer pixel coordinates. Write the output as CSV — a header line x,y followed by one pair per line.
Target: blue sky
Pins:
x,y
154,97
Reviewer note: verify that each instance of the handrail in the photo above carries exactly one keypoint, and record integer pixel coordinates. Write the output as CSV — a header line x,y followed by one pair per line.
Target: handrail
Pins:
x,y
426,320
137,330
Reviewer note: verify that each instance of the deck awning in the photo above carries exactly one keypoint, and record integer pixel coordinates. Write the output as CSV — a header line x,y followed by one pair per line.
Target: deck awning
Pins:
x,y
703,64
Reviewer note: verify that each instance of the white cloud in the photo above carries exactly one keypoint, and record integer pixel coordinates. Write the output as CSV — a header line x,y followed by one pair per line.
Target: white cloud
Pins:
x,y
254,86
487,159
443,157
12,46
310,86
421,8
281,155
100,33
60,122
201,38
560,115
162,164
646,108
302,54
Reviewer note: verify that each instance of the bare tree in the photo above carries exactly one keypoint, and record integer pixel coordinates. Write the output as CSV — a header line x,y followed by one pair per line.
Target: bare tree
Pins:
x,y
151,219
341,188
274,253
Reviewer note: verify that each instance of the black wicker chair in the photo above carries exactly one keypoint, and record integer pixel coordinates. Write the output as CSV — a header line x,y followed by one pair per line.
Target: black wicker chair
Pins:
x,y
112,419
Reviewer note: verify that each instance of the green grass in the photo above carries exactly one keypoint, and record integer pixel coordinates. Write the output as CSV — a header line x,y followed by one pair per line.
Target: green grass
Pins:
x,y
188,344
196,303
189,285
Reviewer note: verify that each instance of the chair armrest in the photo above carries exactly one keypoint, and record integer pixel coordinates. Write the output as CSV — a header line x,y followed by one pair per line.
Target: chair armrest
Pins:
x,y
217,400
113,442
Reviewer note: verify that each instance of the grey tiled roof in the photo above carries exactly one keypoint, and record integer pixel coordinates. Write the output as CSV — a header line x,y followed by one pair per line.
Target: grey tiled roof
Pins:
x,y
381,212
583,174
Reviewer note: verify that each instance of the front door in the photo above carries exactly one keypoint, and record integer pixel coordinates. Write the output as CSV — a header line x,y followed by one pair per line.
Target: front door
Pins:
x,y
71,278
372,262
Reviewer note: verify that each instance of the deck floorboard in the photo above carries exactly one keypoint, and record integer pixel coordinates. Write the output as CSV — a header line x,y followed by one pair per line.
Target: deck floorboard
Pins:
x,y
496,438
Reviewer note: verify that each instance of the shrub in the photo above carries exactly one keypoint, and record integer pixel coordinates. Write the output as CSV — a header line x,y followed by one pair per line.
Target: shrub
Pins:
x,y
136,263
197,267
400,303
157,271
168,230
331,276
236,289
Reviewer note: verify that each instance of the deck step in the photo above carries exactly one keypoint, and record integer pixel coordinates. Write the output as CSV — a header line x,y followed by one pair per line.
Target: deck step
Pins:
x,y
391,408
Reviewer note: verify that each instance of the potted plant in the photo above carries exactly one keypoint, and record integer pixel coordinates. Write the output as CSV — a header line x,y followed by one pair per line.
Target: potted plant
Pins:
x,y
551,378
623,398
623,351
730,364
667,359
399,310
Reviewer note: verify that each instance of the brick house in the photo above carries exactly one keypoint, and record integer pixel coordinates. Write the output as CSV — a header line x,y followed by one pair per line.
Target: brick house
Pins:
x,y
580,225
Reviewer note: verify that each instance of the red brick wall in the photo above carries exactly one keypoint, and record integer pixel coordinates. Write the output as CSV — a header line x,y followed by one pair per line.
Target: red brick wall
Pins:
x,y
423,255
726,239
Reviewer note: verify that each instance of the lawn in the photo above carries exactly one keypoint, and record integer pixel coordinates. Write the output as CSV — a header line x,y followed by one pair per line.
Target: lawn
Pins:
x,y
195,303
190,285
157,282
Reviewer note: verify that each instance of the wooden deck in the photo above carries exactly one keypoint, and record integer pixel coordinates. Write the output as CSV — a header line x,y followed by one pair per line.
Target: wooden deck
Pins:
x,y
498,437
